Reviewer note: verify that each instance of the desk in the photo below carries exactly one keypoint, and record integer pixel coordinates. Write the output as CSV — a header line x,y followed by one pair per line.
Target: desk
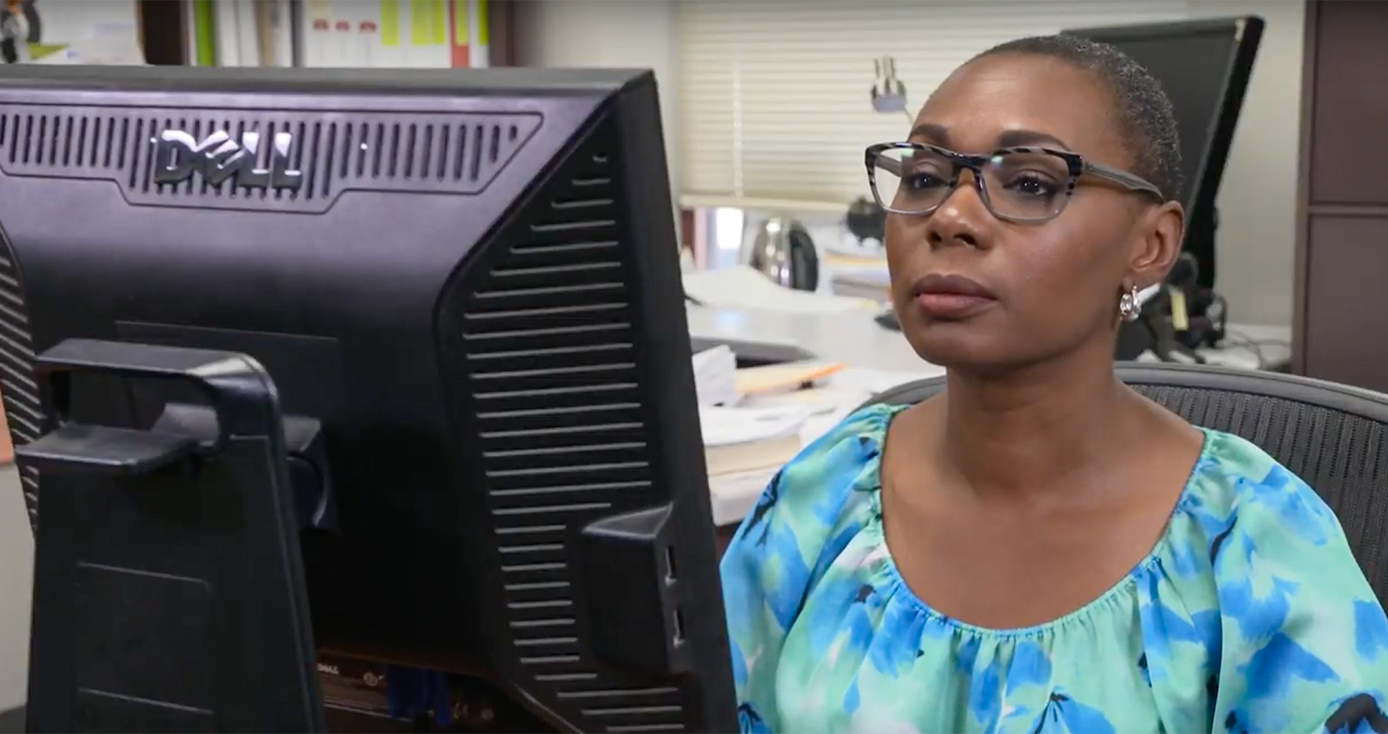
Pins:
x,y
851,337
880,359
854,338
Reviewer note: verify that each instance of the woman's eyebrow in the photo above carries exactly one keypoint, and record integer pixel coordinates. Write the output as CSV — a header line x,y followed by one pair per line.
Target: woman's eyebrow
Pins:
x,y
1016,138
932,133
939,135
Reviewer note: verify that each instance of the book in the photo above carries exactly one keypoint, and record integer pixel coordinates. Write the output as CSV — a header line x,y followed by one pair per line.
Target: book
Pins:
x,y
764,453
747,439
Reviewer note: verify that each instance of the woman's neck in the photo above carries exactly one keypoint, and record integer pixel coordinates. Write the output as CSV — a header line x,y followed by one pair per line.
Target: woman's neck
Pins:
x,y
1020,433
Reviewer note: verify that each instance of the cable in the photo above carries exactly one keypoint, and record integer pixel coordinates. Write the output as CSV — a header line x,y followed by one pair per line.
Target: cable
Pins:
x,y
1234,339
1237,340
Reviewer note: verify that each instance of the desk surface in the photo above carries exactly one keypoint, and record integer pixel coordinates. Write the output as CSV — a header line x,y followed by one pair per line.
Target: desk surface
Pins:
x,y
856,339
841,337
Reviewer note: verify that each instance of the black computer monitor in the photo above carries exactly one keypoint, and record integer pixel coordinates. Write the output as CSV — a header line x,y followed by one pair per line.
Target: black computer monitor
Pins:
x,y
1204,66
469,280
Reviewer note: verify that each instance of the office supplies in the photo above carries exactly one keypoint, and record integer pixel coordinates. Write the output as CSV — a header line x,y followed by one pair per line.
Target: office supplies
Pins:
x,y
859,276
469,281
782,377
783,251
735,493
888,92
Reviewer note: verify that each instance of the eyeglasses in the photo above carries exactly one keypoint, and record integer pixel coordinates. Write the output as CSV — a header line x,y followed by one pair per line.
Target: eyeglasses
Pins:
x,y
1022,185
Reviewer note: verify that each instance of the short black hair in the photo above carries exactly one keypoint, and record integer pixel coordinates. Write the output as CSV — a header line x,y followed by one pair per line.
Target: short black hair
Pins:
x,y
1141,108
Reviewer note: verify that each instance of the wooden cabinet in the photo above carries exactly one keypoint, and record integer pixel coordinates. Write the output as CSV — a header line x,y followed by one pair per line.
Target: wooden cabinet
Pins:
x,y
1340,317
1347,61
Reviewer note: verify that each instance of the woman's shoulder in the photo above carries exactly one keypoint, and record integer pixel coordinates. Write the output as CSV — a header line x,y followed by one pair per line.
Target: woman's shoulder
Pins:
x,y
1302,635
812,509
1236,478
832,476
847,454
1257,517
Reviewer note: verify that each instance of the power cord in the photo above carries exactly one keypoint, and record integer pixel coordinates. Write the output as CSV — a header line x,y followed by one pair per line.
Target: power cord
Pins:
x,y
1238,340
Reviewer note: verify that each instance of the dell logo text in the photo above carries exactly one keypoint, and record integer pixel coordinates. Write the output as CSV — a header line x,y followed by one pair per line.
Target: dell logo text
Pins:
x,y
178,157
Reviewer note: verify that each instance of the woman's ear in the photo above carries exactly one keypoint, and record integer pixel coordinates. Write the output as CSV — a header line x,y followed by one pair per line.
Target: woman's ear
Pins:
x,y
1158,244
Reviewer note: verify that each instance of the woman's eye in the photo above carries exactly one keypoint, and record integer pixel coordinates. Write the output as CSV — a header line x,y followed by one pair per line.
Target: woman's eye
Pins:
x,y
1032,185
922,181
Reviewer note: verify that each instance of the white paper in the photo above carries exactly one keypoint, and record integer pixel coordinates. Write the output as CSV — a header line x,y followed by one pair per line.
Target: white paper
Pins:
x,y
724,426
715,376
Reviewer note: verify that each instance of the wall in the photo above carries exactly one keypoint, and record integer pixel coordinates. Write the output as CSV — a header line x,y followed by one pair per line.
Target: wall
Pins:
x,y
606,33
72,20
16,580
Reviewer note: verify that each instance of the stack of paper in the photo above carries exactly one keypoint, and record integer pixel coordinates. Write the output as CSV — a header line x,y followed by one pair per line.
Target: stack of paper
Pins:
x,y
734,494
715,381
745,439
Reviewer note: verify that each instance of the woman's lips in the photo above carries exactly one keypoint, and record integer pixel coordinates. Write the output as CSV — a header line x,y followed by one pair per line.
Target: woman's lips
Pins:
x,y
952,297
952,306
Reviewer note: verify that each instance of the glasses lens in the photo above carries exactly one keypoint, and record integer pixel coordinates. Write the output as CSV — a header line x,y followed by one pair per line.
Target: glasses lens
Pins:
x,y
912,181
1026,185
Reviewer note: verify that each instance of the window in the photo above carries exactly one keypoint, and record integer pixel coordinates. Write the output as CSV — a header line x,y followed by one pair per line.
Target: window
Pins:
x,y
774,95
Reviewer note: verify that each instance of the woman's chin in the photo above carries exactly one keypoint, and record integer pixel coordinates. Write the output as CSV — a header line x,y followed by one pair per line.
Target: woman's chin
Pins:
x,y
969,351
954,350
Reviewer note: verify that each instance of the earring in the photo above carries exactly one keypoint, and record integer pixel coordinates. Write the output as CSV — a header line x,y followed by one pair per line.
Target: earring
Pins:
x,y
1128,306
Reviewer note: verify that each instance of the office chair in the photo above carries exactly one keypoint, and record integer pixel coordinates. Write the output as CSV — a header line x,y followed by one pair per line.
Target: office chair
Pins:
x,y
1334,437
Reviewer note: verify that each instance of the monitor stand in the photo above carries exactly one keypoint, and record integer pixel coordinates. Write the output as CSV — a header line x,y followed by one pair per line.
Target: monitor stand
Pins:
x,y
168,587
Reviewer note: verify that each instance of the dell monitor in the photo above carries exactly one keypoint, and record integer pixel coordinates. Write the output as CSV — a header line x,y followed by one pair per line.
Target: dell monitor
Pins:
x,y
463,289
1204,66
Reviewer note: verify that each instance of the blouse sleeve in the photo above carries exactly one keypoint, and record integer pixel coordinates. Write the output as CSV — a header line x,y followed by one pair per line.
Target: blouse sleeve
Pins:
x,y
802,520
1305,643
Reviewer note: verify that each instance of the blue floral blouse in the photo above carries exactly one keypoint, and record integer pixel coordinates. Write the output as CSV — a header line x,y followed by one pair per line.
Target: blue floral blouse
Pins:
x,y
1250,615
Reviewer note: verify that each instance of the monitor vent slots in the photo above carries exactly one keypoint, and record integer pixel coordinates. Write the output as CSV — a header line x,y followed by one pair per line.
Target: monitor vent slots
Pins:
x,y
20,392
443,153
559,423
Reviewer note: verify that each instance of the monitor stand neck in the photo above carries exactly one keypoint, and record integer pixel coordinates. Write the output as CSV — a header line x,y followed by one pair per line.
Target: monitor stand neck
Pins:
x,y
168,585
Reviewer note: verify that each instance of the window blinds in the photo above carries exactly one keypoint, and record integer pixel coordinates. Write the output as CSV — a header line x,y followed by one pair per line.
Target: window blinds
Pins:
x,y
774,95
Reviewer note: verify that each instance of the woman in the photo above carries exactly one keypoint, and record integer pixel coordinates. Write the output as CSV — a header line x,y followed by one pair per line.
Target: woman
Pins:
x,y
1039,548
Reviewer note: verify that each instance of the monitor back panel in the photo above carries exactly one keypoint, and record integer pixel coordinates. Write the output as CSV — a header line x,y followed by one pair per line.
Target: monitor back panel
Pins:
x,y
475,291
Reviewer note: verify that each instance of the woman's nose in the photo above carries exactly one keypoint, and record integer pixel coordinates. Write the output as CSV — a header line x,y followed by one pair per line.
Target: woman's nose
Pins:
x,y
962,219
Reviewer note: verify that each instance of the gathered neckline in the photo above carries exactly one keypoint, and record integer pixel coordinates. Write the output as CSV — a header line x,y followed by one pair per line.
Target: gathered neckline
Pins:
x,y
870,481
